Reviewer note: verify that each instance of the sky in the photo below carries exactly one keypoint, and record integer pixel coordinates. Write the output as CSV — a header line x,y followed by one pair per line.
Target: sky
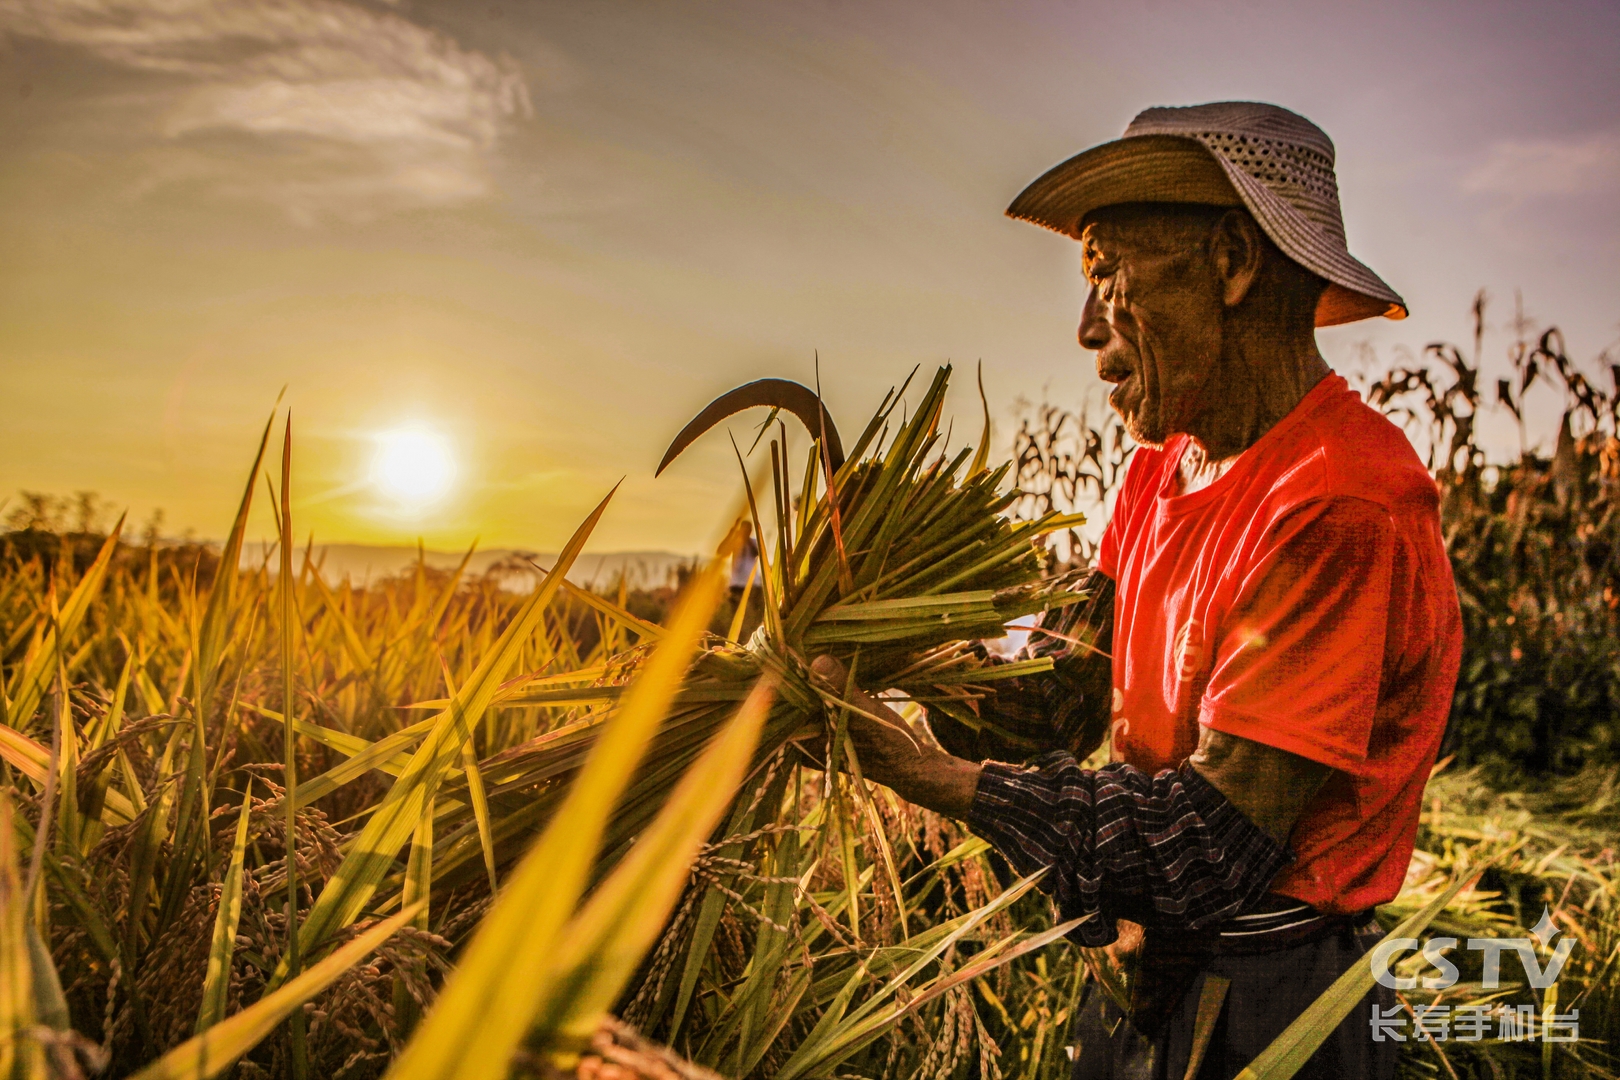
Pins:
x,y
527,241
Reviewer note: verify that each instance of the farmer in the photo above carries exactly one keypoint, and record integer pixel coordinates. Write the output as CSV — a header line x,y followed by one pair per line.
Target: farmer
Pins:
x,y
1285,634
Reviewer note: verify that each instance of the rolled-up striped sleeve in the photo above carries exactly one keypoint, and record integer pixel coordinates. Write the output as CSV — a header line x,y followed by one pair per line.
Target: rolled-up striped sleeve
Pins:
x,y
1166,850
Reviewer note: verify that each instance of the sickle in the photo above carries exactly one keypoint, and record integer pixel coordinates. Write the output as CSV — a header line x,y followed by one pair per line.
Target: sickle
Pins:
x,y
783,394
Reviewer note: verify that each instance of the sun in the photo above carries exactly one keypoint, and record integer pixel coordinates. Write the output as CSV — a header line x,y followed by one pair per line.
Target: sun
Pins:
x,y
413,466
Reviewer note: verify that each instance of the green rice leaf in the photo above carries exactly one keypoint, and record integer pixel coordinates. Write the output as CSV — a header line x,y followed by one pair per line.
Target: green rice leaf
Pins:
x,y
20,1054
1289,1052
373,853
213,634
217,1049
24,754
50,1004
39,670
381,754
217,982
480,805
608,938
831,1042
641,627
493,996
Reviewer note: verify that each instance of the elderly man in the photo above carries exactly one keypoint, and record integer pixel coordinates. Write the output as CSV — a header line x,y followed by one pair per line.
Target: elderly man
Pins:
x,y
1285,633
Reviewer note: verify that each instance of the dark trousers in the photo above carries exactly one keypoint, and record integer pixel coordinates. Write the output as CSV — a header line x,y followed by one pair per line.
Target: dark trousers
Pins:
x,y
1267,991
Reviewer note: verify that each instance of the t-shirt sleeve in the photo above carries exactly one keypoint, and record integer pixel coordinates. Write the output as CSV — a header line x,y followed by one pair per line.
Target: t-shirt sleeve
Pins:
x,y
1299,659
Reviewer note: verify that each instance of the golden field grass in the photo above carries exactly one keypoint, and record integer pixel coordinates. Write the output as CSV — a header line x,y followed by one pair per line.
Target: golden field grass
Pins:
x,y
514,814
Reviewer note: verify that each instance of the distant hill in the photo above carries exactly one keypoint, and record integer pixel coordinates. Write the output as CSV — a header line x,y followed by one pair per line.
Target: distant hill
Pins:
x,y
360,563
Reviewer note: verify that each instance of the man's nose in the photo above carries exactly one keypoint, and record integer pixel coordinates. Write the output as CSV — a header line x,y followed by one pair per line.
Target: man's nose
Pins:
x,y
1094,331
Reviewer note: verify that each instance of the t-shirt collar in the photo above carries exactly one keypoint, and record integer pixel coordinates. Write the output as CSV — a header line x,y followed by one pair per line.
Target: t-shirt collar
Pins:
x,y
1331,385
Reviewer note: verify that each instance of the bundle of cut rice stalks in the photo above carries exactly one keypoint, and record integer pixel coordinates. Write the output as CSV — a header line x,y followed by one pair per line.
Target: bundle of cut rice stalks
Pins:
x,y
897,561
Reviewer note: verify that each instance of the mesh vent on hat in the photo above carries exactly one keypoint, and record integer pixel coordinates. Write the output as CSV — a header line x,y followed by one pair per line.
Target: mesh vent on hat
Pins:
x,y
1300,175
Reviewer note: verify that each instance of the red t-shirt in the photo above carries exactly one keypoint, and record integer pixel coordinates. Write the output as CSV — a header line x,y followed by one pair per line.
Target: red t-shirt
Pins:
x,y
1303,600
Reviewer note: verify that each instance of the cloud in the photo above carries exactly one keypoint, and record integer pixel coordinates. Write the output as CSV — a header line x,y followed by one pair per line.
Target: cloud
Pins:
x,y
363,108
1540,167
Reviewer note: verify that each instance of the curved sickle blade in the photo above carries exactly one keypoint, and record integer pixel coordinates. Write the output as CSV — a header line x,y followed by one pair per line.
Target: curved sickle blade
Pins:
x,y
783,394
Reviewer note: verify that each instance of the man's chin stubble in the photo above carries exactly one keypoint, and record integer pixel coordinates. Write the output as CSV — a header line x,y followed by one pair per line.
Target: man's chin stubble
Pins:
x,y
1130,415
1140,433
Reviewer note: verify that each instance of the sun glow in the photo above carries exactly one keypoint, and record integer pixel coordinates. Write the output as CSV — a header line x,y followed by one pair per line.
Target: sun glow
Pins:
x,y
413,466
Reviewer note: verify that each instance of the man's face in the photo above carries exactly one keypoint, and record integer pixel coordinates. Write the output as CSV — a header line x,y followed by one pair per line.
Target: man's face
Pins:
x,y
1154,317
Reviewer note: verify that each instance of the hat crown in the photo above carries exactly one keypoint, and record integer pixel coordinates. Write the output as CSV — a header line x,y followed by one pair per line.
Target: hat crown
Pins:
x,y
1269,144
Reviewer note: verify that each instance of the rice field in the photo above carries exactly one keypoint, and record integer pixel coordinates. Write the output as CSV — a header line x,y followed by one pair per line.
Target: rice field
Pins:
x,y
261,823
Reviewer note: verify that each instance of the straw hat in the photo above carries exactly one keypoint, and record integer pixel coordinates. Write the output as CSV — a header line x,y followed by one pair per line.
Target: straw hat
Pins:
x,y
1275,163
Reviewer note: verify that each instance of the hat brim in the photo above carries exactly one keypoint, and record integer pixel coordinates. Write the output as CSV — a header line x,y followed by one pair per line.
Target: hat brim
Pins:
x,y
1175,169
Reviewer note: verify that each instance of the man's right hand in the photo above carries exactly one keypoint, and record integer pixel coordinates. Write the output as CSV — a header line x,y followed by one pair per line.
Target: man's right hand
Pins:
x,y
889,755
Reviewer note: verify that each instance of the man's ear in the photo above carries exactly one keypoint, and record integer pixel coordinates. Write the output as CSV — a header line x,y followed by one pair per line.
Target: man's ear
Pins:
x,y
1238,250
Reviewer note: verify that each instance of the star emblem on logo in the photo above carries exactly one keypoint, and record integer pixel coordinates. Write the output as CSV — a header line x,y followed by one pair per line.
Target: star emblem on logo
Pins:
x,y
1545,930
